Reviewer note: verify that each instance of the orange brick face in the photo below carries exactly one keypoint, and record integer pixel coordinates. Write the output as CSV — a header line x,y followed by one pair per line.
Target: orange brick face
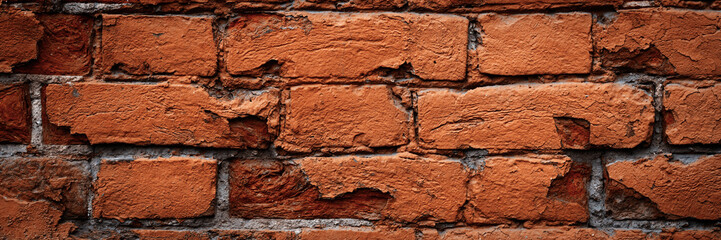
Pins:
x,y
155,188
360,119
158,45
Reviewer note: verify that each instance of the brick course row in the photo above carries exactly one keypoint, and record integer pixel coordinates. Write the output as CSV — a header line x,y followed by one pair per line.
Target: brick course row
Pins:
x,y
356,45
356,118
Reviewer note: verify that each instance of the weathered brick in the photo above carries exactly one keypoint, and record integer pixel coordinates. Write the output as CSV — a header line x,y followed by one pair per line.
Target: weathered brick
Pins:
x,y
146,234
61,182
677,189
173,45
21,219
550,188
162,115
343,117
351,4
348,45
402,187
57,135
421,189
21,32
14,113
662,42
64,48
504,5
549,116
691,114
534,44
177,187
363,233
530,234
274,189
255,234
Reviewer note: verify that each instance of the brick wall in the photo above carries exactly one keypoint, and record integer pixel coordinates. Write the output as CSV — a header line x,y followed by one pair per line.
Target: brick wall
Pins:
x,y
360,119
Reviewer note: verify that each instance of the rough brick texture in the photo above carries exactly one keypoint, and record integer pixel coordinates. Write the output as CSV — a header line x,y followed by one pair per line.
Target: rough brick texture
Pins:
x,y
158,45
534,44
175,187
19,42
662,42
357,187
162,115
529,188
62,182
319,116
661,180
535,117
14,113
348,45
64,48
360,119
692,114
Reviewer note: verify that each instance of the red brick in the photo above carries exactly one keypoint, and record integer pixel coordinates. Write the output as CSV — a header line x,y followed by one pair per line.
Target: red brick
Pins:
x,y
504,5
172,45
534,44
662,42
354,117
404,188
363,233
534,117
177,187
255,234
57,135
21,32
162,115
536,233
64,48
677,189
348,45
64,183
692,114
145,234
276,189
421,189
15,116
21,219
535,188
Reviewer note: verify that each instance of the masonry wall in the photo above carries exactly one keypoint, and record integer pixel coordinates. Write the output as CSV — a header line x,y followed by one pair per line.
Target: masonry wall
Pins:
x,y
360,119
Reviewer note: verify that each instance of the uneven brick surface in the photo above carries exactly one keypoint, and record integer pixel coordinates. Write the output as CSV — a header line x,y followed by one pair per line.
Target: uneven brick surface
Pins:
x,y
14,113
358,234
349,187
170,234
173,45
661,180
348,45
64,48
421,189
21,219
662,42
177,187
551,116
360,119
19,43
162,115
692,114
273,189
343,117
65,183
528,189
531,44
504,5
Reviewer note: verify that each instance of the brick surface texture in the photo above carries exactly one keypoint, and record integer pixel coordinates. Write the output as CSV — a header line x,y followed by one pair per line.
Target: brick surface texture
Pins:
x,y
360,119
